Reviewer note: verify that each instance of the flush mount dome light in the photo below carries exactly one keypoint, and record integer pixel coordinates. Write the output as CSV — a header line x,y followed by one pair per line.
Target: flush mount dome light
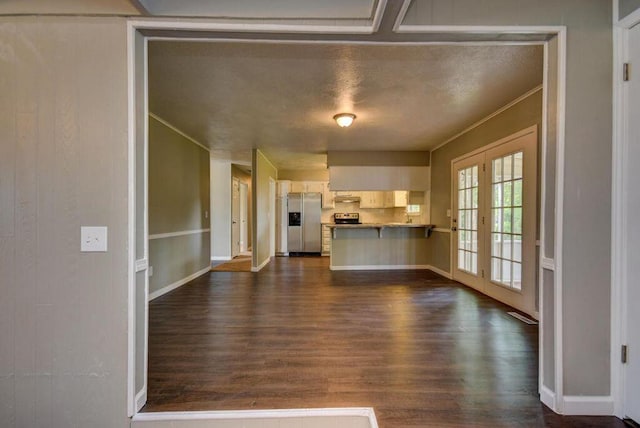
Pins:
x,y
344,120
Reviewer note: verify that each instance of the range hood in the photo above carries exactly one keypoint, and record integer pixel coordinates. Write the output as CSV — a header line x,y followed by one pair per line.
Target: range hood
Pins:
x,y
346,198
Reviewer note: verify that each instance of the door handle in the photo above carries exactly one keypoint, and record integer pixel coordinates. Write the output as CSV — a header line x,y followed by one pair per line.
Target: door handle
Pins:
x,y
454,229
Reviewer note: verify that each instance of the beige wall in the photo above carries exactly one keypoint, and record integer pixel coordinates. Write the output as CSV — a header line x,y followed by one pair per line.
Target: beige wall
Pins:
x,y
63,164
263,170
178,202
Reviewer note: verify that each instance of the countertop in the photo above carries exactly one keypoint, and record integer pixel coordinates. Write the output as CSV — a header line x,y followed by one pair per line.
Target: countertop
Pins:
x,y
377,225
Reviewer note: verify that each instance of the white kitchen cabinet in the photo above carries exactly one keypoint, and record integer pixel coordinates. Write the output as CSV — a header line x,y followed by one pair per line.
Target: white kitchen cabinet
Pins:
x,y
307,186
315,186
326,240
372,199
399,198
327,196
298,186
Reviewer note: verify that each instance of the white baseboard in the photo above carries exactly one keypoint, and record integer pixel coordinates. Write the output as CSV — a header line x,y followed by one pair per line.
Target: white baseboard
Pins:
x,y
183,281
379,267
141,419
548,397
587,405
219,258
439,271
261,265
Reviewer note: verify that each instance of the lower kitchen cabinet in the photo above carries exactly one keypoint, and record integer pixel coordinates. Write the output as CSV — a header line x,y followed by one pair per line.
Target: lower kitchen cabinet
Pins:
x,y
326,240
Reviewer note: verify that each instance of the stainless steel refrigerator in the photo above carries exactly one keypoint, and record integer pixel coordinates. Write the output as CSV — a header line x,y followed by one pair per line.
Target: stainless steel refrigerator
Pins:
x,y
304,230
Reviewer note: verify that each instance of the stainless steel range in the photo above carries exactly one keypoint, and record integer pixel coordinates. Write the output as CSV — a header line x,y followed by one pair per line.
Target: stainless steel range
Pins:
x,y
346,218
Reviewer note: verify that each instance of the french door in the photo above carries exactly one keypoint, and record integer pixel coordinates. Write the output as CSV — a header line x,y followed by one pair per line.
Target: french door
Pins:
x,y
494,220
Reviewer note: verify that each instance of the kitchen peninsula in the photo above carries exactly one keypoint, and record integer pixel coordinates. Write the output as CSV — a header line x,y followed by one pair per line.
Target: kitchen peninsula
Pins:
x,y
379,246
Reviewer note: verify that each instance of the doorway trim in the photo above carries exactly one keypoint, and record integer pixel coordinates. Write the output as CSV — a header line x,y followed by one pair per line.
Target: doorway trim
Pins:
x,y
620,145
553,399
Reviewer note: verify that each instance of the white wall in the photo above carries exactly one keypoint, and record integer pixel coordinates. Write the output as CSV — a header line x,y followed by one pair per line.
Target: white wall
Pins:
x,y
263,170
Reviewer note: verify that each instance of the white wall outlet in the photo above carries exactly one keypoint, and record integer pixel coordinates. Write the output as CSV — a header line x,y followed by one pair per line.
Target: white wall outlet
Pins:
x,y
206,214
93,239
448,213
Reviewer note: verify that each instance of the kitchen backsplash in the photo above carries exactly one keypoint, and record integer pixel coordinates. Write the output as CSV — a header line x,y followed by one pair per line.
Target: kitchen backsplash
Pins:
x,y
371,215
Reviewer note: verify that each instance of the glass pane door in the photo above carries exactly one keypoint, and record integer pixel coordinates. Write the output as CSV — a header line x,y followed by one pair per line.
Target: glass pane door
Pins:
x,y
467,217
506,220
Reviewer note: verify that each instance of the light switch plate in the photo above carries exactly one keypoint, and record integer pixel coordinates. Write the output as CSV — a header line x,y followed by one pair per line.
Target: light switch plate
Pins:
x,y
93,239
448,213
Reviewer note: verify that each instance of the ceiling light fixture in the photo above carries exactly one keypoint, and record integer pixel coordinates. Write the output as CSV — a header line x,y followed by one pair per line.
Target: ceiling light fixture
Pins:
x,y
344,120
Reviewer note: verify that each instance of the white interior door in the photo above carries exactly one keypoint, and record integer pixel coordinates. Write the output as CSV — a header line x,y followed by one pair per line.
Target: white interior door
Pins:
x,y
494,220
632,254
235,217
468,187
243,216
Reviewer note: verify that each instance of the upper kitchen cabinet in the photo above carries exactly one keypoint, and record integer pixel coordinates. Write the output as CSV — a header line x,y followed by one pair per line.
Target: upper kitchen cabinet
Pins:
x,y
399,198
307,186
328,197
372,199
395,199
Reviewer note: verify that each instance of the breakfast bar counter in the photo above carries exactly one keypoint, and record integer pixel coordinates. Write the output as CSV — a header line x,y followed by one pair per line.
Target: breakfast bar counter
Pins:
x,y
378,246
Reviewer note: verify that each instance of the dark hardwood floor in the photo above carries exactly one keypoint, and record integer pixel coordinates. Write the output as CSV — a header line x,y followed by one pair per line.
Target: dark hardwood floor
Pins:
x,y
422,350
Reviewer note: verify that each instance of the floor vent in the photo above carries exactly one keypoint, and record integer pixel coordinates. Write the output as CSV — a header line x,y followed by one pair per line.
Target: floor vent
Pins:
x,y
523,318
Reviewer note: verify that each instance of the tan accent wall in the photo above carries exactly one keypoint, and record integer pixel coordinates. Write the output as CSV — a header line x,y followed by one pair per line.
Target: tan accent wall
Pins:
x,y
63,165
178,202
263,170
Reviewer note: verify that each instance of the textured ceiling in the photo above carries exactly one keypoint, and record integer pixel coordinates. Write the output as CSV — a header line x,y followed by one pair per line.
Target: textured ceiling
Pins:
x,y
280,97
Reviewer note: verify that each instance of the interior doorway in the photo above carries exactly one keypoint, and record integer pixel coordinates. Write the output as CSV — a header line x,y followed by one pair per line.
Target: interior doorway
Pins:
x,y
135,142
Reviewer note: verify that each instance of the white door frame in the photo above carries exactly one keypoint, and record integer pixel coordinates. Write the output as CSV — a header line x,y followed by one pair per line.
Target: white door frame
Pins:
x,y
244,203
272,217
553,399
619,283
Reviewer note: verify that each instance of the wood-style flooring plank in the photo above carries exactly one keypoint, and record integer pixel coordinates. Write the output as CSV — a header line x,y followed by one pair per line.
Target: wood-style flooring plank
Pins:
x,y
422,350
